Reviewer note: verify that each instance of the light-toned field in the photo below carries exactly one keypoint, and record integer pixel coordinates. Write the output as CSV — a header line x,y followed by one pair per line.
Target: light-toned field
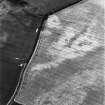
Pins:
x,y
69,66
